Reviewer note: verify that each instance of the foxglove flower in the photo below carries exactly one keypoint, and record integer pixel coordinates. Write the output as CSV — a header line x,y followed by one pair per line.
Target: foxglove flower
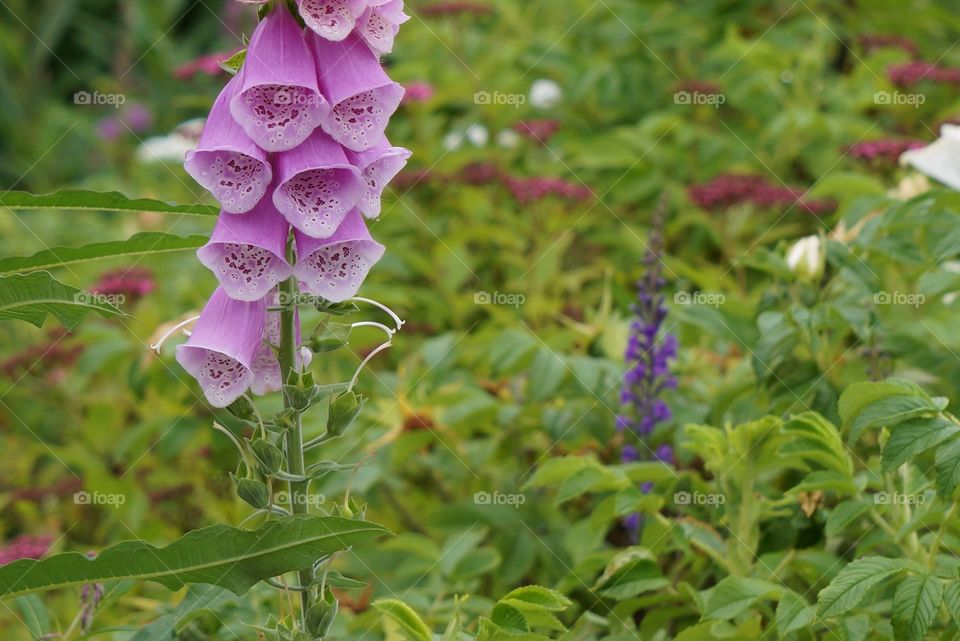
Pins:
x,y
380,23
223,347
227,162
316,186
335,267
362,97
378,166
246,252
278,102
331,19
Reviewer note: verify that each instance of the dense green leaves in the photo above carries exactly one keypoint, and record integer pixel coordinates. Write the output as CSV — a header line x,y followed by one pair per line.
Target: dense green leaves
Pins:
x,y
402,615
138,245
734,595
32,297
99,201
220,555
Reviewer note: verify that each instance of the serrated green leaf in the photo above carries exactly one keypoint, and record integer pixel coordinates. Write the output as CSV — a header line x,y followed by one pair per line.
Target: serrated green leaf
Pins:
x,y
541,597
403,615
866,406
31,297
733,595
137,245
793,613
73,199
509,618
843,515
948,469
914,437
220,555
915,605
951,598
852,584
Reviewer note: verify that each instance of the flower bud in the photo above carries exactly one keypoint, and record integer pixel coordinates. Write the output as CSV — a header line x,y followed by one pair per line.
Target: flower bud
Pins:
x,y
321,615
254,493
807,259
269,457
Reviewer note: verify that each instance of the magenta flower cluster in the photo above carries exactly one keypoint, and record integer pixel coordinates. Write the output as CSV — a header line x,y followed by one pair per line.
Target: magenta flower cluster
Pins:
x,y
910,74
295,140
25,547
727,190
885,151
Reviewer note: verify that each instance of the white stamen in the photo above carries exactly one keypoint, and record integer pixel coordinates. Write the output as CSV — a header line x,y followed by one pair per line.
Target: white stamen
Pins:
x,y
369,357
393,315
159,344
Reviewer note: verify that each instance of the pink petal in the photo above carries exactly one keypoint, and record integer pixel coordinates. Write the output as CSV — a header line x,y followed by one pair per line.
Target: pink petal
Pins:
x,y
336,267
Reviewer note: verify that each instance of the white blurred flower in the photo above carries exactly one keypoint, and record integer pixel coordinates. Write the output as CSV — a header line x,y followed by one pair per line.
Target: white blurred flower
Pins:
x,y
545,94
807,259
910,186
940,159
508,139
171,148
478,135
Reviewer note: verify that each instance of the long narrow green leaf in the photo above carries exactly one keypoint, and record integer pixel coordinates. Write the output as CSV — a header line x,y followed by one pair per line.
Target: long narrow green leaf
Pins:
x,y
143,243
30,297
219,555
99,201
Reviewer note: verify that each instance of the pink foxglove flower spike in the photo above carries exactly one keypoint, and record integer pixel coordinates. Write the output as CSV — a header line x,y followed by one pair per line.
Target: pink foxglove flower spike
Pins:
x,y
378,166
227,162
380,23
278,102
361,95
247,252
222,349
334,268
316,186
331,19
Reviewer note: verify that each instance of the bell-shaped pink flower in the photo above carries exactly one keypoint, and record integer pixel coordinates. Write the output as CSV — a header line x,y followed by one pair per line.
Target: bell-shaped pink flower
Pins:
x,y
278,102
223,347
226,161
336,267
378,166
316,185
331,19
380,23
246,252
361,95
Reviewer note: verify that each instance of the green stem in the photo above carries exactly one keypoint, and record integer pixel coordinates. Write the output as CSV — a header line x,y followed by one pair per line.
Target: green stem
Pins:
x,y
294,434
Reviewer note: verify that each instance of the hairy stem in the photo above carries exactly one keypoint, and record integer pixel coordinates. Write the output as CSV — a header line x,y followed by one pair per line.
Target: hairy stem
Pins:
x,y
294,434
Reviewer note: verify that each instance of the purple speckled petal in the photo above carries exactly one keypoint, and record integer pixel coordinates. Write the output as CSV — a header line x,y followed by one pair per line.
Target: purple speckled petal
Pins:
x,y
221,351
378,166
246,252
361,95
336,267
316,185
331,19
380,23
227,162
278,102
